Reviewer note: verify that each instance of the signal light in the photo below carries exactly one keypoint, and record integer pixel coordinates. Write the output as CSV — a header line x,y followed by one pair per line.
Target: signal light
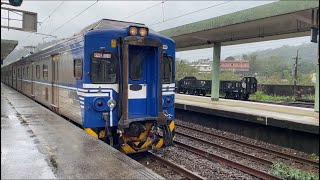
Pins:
x,y
143,32
133,31
15,2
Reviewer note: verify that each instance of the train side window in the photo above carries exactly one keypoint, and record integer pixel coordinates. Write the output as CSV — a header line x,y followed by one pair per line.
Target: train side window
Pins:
x,y
19,75
103,69
24,73
167,69
28,72
45,72
136,65
77,68
38,71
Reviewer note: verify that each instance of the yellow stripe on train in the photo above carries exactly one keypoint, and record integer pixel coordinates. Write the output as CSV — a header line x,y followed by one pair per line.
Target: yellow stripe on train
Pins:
x,y
91,132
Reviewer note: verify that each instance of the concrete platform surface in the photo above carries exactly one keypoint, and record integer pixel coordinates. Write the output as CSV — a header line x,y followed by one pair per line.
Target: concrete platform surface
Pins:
x,y
296,118
38,144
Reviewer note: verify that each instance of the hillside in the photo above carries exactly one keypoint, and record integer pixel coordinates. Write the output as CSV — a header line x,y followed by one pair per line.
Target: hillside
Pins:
x,y
308,53
18,53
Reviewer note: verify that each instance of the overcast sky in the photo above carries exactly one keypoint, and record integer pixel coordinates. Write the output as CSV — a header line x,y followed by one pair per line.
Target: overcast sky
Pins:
x,y
158,15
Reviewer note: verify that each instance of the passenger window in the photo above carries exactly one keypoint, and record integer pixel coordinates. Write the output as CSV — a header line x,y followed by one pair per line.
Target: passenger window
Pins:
x,y
136,59
103,68
38,71
77,68
45,72
24,73
28,72
19,72
167,69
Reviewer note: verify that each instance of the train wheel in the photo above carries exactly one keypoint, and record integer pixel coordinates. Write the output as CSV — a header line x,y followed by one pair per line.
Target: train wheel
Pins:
x,y
246,97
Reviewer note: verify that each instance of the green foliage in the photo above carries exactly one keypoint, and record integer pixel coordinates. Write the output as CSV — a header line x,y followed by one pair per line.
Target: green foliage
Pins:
x,y
260,96
308,97
184,69
315,157
229,76
286,172
230,58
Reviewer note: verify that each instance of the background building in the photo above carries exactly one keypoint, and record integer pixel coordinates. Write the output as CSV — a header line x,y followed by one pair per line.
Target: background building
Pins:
x,y
204,65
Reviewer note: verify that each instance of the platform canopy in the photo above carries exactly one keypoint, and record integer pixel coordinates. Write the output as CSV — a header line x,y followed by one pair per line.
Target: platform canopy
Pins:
x,y
278,20
7,46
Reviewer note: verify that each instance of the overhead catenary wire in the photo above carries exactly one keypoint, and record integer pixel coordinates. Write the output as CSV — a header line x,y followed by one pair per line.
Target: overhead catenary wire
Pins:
x,y
190,13
134,14
74,17
52,13
40,24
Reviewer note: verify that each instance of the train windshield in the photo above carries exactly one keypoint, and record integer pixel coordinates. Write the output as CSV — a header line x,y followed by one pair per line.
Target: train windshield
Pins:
x,y
167,69
103,68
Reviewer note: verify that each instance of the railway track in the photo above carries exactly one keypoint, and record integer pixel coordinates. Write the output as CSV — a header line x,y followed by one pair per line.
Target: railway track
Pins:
x,y
230,163
247,145
181,172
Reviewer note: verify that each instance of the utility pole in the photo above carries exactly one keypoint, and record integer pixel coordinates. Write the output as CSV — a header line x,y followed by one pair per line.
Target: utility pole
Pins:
x,y
295,72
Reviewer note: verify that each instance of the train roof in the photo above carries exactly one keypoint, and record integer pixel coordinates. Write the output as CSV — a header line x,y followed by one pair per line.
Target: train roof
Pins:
x,y
101,24
111,24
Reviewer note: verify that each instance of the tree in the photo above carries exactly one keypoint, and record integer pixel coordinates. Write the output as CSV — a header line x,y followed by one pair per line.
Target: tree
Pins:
x,y
230,58
184,69
245,57
227,76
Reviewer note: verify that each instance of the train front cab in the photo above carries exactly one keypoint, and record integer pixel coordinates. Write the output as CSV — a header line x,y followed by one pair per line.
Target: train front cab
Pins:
x,y
138,117
144,124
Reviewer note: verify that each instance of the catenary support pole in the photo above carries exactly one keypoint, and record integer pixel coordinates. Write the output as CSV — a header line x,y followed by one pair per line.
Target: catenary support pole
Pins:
x,y
216,72
316,98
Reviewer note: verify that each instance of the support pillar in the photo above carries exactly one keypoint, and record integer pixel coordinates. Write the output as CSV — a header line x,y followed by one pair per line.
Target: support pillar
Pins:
x,y
215,72
316,98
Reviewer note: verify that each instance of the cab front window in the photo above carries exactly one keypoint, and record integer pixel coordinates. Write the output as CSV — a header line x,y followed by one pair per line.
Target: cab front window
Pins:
x,y
103,68
167,69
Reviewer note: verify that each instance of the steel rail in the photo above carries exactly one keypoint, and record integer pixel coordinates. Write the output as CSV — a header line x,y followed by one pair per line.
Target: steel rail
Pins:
x,y
238,153
263,149
182,171
235,165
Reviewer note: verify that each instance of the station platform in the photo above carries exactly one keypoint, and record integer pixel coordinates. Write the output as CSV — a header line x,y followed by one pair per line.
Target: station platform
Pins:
x,y
38,144
294,118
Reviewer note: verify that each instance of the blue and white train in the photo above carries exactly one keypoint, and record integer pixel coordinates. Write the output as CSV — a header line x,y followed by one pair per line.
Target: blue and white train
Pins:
x,y
114,78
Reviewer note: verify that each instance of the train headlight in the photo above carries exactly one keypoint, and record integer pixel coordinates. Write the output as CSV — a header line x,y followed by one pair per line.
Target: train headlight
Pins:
x,y
168,99
99,104
133,31
112,103
143,32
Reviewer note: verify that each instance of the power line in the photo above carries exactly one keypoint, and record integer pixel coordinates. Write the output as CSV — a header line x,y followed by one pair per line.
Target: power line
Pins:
x,y
74,17
27,38
52,13
142,11
190,13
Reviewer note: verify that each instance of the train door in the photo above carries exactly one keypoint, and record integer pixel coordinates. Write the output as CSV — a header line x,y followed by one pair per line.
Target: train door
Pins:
x,y
55,81
142,82
14,81
32,80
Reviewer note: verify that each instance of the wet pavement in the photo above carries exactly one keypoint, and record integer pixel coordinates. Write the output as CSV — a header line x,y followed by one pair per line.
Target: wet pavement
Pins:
x,y
38,144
